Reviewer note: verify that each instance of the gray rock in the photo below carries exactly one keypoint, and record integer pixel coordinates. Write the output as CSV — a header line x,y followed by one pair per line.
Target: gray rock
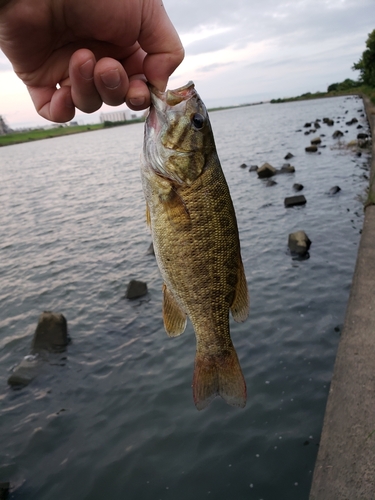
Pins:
x,y
316,140
292,201
362,136
316,125
266,170
307,125
297,187
243,165
311,149
253,168
51,333
352,121
136,289
271,183
337,133
334,190
26,371
299,243
328,121
286,169
288,156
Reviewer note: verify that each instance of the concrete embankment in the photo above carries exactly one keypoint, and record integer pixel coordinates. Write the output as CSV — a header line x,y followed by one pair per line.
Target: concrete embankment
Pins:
x,y
345,467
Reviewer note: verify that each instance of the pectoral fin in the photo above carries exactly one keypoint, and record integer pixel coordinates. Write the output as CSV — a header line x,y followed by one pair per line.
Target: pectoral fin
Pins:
x,y
240,306
174,317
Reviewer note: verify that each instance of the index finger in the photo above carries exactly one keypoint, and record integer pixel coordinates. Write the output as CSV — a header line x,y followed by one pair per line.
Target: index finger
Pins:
x,y
160,41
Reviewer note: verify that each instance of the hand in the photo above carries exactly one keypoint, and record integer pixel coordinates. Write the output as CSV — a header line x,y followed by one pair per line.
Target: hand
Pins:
x,y
81,53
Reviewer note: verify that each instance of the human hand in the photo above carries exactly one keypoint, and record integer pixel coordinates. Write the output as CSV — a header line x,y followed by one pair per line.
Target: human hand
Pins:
x,y
78,54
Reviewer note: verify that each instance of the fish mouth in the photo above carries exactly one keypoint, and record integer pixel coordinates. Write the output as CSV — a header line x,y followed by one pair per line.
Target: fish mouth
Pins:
x,y
161,101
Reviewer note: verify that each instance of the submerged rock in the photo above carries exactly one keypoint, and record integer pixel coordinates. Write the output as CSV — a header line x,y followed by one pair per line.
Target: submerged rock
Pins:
x,y
51,332
316,140
292,201
266,170
334,190
287,169
271,183
51,335
337,133
136,289
299,243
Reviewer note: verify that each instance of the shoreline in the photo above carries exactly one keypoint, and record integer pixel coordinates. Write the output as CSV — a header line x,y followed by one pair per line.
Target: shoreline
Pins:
x,y
345,465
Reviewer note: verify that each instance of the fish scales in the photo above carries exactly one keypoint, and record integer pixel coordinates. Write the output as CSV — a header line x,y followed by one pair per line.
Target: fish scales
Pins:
x,y
195,238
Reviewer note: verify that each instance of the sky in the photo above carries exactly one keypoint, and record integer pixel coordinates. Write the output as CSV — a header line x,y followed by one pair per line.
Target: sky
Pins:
x,y
243,51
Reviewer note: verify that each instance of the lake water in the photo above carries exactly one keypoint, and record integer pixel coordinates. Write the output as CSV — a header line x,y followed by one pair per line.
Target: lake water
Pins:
x,y
113,416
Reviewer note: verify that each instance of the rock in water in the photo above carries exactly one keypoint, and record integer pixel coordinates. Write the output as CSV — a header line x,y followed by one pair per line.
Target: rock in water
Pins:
x,y
266,170
311,149
292,201
136,289
299,243
297,187
288,156
334,190
51,335
51,332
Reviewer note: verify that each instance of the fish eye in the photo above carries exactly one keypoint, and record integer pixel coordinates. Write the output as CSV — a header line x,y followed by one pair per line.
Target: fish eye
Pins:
x,y
198,121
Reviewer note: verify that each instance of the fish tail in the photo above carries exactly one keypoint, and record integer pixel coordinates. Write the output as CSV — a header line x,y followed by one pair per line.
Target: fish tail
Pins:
x,y
218,374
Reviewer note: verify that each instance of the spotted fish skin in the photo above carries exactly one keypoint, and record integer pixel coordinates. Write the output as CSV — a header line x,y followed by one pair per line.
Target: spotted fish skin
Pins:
x,y
195,237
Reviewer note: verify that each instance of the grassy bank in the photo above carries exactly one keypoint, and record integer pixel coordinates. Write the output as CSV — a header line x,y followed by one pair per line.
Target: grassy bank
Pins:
x,y
369,91
38,134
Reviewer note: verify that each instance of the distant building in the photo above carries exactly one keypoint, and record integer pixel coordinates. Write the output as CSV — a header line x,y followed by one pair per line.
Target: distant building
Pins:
x,y
4,128
114,116
117,116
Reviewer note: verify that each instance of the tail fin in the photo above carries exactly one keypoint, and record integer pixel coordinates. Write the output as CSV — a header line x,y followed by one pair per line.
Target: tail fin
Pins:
x,y
218,374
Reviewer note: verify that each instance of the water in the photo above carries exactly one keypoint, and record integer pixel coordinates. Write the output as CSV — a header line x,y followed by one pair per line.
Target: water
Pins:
x,y
113,416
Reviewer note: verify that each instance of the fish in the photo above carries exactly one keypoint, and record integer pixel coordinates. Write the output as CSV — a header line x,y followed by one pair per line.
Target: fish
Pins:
x,y
196,240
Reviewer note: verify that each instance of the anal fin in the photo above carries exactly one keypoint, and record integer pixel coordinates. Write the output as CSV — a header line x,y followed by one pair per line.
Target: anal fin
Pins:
x,y
241,303
174,317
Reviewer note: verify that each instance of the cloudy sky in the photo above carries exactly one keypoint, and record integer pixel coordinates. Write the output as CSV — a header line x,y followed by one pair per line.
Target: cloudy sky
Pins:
x,y
240,51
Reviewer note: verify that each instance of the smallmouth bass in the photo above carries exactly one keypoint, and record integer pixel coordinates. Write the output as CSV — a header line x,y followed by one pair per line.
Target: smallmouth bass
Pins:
x,y
195,236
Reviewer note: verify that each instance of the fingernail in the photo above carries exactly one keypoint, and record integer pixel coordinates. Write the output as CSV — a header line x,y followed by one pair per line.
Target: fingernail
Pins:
x,y
87,70
111,79
137,101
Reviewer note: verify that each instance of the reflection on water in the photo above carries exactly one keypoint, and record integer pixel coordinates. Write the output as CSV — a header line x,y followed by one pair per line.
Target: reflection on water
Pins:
x,y
115,417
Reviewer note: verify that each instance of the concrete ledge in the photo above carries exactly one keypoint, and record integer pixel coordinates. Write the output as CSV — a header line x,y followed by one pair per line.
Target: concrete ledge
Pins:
x,y
345,467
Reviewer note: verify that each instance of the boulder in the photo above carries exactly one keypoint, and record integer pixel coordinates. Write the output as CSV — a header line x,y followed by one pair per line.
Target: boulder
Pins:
x,y
287,169
299,243
288,156
297,187
253,168
136,289
292,201
316,141
26,371
266,170
334,190
337,133
311,149
51,333
271,183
